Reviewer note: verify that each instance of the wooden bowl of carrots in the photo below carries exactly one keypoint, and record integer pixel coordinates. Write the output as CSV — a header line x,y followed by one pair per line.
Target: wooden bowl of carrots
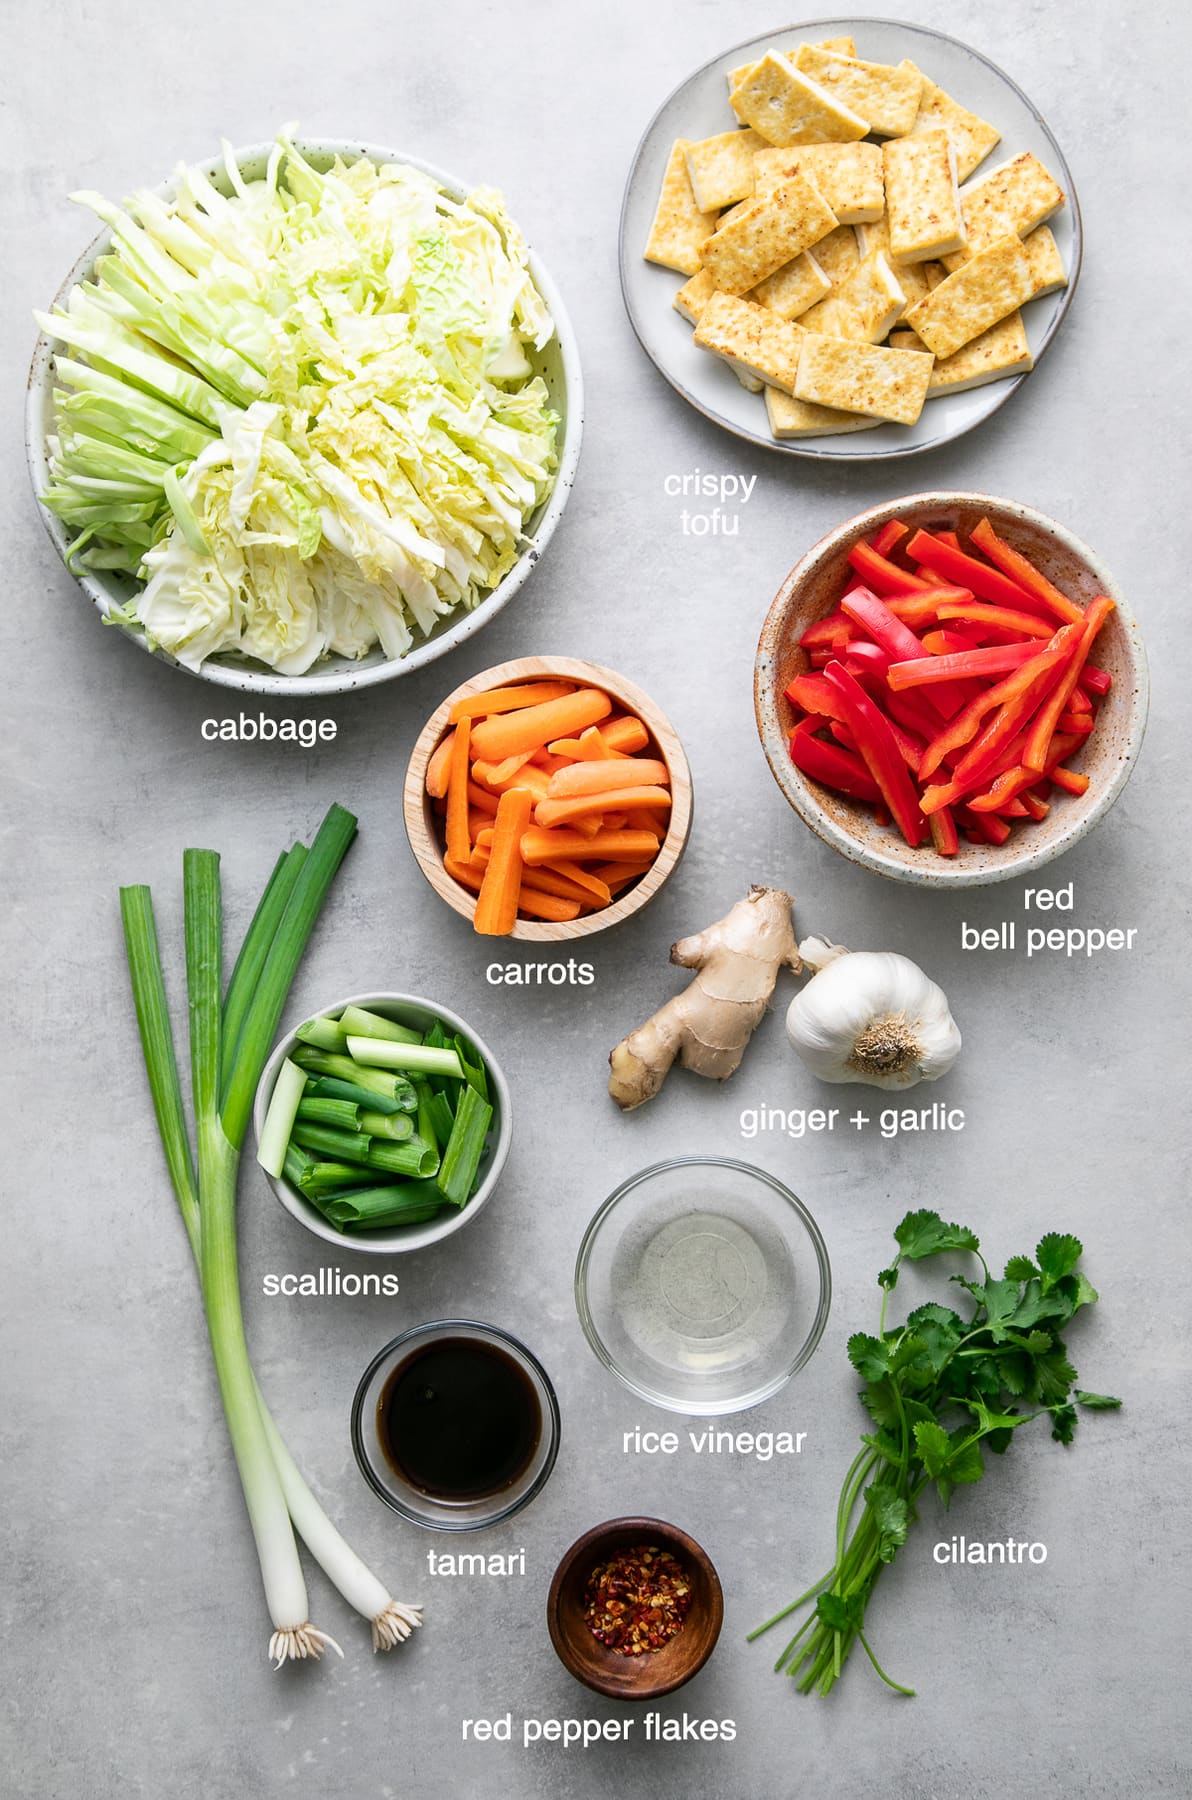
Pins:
x,y
547,799
950,689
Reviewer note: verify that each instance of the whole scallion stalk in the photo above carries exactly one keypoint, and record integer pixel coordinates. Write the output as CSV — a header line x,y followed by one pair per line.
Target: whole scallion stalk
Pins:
x,y
275,1492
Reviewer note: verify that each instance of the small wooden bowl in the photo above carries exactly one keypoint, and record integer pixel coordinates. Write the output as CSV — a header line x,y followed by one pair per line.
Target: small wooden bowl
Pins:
x,y
424,830
812,590
654,1672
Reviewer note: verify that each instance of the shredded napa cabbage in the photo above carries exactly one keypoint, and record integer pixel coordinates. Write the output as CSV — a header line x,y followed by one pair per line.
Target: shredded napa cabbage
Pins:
x,y
302,410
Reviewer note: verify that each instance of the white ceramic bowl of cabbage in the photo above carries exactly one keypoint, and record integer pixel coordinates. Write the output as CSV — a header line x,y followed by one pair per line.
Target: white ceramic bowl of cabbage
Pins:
x,y
362,462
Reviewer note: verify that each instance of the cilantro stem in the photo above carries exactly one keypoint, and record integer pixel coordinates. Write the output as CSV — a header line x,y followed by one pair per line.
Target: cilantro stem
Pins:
x,y
896,1685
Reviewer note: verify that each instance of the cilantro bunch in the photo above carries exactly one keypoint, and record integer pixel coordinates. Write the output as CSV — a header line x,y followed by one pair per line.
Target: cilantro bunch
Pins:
x,y
941,1390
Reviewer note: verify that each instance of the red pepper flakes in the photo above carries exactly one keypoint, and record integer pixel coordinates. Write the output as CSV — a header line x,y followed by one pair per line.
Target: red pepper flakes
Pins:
x,y
637,1600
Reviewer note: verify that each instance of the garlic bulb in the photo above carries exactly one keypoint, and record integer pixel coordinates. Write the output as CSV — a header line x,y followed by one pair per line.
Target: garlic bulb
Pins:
x,y
871,1016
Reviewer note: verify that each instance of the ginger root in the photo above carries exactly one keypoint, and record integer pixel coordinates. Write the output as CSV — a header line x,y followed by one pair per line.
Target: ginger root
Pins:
x,y
708,1025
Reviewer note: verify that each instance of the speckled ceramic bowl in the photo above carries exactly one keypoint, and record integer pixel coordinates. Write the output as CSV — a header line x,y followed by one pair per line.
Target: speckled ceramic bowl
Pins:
x,y
812,590
558,364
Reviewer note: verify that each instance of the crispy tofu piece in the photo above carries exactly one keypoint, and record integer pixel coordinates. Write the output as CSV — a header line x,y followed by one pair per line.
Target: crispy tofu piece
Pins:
x,y
1047,265
721,168
693,296
885,95
691,300
971,137
849,176
774,231
863,307
913,277
785,107
1016,196
985,290
791,418
735,212
923,216
789,291
838,254
751,338
863,378
843,46
1002,350
680,230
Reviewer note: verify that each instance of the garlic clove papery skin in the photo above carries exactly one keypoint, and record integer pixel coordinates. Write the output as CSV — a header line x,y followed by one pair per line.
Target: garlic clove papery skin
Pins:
x,y
873,1016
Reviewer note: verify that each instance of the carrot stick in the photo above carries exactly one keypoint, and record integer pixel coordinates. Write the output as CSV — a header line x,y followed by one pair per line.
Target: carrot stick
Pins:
x,y
495,775
545,880
619,875
533,726
539,905
438,769
458,841
578,806
496,909
617,821
581,877
509,699
617,772
615,737
644,821
540,846
528,776
482,800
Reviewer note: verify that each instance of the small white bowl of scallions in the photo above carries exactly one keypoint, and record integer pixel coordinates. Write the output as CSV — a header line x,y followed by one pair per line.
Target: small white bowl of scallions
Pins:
x,y
382,1123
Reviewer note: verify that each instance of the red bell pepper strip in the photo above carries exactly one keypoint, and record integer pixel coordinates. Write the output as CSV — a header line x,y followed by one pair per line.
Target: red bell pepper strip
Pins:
x,y
1013,809
1070,780
870,659
962,730
1022,571
910,746
948,537
984,612
1038,809
987,753
911,712
990,827
1081,722
879,748
824,634
1079,701
828,763
951,639
889,537
814,695
898,641
997,659
1098,681
944,834
1036,753
881,816
917,610
819,659
883,576
967,571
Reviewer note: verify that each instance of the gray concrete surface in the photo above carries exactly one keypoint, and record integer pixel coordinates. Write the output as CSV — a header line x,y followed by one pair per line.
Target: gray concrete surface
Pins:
x,y
133,1628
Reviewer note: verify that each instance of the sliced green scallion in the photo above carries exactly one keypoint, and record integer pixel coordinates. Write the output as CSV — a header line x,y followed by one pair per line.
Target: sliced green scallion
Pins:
x,y
285,1104
465,1147
419,1059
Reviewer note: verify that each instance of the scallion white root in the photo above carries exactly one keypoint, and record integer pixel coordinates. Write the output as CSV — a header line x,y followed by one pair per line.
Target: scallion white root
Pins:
x,y
392,1621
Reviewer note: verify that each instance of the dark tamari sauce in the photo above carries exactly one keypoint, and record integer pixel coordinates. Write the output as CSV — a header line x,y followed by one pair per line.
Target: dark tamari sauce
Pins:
x,y
459,1419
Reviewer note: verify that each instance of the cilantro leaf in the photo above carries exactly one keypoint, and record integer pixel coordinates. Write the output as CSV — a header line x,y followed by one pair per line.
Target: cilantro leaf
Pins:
x,y
888,1278
1036,1305
1096,1402
1002,1299
1063,1424
924,1233
1078,1289
966,1464
931,1314
934,1446
839,1614
891,1517
1058,1254
1015,1368
994,1421
881,1403
1020,1268
1053,1375
869,1356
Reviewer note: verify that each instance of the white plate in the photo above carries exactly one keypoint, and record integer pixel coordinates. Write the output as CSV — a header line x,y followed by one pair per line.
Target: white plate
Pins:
x,y
699,108
558,365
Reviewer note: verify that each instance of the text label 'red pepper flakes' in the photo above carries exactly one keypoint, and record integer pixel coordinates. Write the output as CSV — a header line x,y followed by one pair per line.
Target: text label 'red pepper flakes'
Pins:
x,y
637,1600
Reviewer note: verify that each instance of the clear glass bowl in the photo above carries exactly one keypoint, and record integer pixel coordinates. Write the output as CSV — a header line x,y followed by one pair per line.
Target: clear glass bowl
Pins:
x,y
429,1509
703,1284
